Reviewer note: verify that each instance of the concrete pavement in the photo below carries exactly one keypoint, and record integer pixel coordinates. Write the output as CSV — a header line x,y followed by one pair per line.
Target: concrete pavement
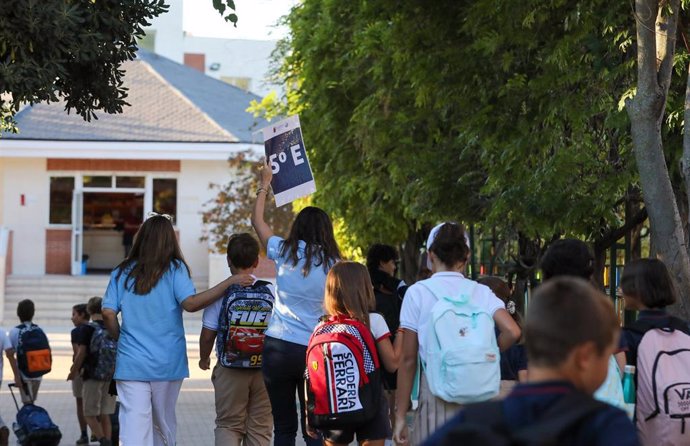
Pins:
x,y
195,407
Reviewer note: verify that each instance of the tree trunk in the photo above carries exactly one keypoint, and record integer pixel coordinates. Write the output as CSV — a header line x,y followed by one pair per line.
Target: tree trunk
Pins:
x,y
410,253
685,158
525,268
599,264
655,47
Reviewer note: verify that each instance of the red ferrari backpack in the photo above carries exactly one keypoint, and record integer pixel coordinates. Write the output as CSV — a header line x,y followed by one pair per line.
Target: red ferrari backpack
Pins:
x,y
343,376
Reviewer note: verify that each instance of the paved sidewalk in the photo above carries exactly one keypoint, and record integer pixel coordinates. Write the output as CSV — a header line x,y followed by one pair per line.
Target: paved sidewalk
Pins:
x,y
195,407
195,411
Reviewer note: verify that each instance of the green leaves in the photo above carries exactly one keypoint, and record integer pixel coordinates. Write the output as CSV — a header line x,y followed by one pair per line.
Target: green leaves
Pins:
x,y
56,49
223,5
503,113
229,212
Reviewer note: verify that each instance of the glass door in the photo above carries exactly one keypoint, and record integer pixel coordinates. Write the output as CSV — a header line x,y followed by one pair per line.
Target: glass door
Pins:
x,y
77,231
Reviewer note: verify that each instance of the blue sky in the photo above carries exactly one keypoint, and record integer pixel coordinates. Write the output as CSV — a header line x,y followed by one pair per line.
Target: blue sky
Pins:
x,y
257,19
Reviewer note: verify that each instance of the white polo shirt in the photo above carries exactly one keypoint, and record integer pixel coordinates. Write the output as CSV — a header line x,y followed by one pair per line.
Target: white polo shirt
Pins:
x,y
415,314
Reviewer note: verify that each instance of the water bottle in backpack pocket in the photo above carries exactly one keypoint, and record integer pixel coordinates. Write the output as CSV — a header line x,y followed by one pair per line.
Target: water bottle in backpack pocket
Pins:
x,y
462,356
342,377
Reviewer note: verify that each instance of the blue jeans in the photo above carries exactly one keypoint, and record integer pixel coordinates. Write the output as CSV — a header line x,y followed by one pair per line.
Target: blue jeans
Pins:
x,y
283,369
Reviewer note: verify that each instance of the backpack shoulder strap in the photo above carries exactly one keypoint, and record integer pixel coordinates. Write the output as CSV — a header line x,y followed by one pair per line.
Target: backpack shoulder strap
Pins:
x,y
672,323
565,414
21,329
259,283
641,326
679,324
441,295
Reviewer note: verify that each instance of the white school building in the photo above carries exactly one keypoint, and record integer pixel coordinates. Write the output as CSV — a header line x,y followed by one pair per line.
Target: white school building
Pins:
x,y
68,186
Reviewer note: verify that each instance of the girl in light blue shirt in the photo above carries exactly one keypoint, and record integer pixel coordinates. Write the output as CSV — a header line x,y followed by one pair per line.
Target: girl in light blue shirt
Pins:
x,y
303,260
150,288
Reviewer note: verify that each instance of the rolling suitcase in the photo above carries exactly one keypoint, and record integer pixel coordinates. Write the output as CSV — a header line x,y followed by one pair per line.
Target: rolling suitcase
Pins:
x,y
34,426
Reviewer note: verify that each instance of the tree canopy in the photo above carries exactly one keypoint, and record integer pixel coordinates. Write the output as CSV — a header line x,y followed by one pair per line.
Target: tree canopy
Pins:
x,y
503,112
73,50
52,49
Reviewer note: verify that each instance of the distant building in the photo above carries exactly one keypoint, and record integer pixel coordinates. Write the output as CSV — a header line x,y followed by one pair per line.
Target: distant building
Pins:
x,y
68,186
239,62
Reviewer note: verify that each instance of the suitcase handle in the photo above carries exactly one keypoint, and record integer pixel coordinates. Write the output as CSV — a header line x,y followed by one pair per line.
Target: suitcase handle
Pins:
x,y
9,386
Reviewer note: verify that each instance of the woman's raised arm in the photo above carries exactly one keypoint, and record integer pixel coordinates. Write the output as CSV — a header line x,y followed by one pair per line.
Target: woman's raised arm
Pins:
x,y
260,226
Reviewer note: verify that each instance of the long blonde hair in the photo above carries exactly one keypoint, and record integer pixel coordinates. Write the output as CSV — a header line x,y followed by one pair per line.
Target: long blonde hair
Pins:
x,y
349,291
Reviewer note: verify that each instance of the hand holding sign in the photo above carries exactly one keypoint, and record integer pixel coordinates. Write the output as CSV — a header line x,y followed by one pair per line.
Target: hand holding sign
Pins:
x,y
287,161
266,174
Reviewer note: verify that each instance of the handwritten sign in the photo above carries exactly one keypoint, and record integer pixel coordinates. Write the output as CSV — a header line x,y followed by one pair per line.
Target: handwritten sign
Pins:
x,y
287,158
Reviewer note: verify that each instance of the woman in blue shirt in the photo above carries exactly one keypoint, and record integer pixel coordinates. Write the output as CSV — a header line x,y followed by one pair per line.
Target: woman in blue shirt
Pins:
x,y
302,263
150,288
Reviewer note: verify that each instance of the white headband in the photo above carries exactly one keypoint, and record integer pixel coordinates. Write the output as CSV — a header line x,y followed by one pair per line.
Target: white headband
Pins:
x,y
432,236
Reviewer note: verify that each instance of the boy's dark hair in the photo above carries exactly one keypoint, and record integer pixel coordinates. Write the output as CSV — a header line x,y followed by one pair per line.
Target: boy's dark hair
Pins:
x,y
94,304
25,310
449,244
567,257
649,281
378,252
564,313
81,310
243,250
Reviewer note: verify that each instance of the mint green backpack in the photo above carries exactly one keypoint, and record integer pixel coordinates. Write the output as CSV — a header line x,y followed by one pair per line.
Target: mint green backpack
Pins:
x,y
462,357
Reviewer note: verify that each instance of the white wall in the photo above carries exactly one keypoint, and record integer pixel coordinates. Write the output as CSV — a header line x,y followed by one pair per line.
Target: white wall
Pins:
x,y
192,193
28,223
237,58
2,195
169,35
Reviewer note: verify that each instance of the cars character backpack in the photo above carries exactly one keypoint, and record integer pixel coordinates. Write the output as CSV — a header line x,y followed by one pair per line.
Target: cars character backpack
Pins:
x,y
343,376
34,358
245,313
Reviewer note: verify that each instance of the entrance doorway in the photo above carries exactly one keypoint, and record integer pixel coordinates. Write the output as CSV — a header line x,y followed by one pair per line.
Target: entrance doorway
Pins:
x,y
107,210
110,220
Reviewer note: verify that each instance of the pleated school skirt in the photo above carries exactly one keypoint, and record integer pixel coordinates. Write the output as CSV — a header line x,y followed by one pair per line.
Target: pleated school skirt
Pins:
x,y
431,414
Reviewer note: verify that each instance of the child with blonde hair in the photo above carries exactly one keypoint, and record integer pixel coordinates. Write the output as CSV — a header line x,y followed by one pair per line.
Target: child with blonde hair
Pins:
x,y
349,303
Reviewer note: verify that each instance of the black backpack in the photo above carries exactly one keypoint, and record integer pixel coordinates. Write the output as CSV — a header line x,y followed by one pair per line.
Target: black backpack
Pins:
x,y
34,357
485,424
